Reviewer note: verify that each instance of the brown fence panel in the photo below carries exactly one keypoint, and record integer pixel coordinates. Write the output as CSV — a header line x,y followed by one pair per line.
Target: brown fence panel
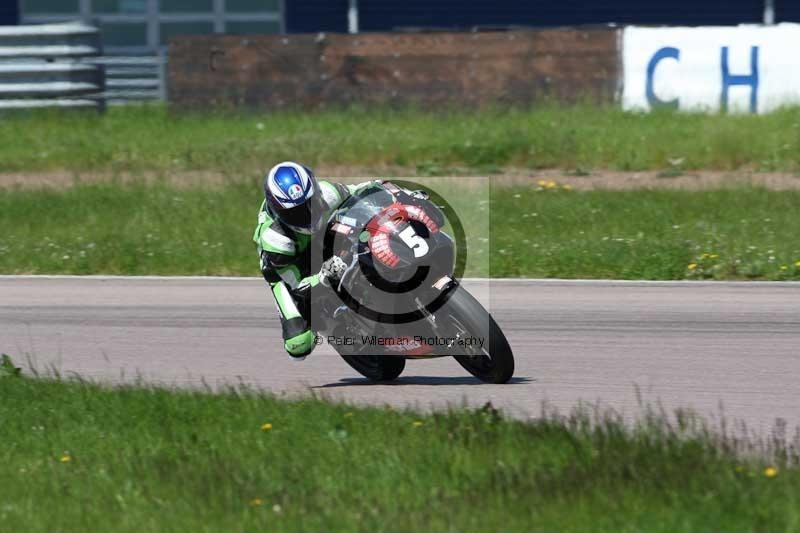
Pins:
x,y
427,69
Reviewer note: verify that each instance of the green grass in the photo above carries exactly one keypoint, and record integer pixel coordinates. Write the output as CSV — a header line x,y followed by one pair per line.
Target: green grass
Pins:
x,y
78,457
738,233
577,138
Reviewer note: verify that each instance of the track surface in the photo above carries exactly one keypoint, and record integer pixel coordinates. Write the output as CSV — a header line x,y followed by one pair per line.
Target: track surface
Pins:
x,y
706,346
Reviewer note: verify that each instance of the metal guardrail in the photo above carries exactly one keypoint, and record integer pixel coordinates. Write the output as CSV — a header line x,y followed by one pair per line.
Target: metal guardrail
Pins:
x,y
133,78
43,66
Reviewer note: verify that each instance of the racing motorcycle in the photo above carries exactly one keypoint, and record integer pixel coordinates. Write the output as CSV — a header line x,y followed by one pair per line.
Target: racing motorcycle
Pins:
x,y
399,297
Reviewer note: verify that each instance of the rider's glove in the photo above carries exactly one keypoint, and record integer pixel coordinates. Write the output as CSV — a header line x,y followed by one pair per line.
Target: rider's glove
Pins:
x,y
332,270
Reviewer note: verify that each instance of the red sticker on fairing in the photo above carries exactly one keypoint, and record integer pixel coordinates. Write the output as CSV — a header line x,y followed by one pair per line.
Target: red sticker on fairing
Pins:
x,y
408,346
341,228
388,221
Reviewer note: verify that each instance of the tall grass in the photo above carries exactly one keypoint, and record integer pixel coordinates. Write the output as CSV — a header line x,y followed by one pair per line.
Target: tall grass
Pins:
x,y
132,139
78,457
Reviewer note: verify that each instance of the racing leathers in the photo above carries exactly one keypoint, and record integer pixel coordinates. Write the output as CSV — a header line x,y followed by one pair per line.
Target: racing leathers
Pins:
x,y
286,264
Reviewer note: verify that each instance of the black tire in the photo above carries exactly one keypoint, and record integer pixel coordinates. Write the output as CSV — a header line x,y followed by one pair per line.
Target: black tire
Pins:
x,y
377,367
463,310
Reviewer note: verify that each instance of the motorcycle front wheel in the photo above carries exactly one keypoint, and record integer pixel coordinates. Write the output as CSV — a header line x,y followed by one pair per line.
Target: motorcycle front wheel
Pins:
x,y
464,317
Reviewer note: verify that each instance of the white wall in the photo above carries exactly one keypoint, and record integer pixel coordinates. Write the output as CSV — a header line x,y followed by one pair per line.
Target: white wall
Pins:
x,y
685,67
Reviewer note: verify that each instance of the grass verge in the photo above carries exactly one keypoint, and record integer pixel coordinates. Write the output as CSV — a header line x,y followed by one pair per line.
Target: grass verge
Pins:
x,y
574,138
77,455
528,231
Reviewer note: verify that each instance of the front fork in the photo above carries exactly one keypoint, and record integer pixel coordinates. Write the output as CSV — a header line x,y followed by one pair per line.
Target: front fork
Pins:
x,y
444,285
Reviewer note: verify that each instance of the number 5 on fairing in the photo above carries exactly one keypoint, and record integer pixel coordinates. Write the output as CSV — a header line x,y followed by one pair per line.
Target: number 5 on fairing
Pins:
x,y
414,241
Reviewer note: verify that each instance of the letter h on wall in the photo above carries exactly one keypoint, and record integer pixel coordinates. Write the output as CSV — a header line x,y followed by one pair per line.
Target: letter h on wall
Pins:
x,y
729,80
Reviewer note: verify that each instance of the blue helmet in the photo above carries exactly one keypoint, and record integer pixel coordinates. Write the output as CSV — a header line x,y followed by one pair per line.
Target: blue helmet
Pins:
x,y
294,197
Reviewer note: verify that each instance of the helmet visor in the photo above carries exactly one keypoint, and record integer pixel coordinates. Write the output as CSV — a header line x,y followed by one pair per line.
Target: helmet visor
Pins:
x,y
305,217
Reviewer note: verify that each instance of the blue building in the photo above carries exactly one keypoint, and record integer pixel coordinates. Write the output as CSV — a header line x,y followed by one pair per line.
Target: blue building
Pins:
x,y
388,15
146,25
9,13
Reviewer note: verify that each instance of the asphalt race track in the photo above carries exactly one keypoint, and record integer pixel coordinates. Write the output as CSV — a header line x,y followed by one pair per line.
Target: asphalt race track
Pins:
x,y
719,348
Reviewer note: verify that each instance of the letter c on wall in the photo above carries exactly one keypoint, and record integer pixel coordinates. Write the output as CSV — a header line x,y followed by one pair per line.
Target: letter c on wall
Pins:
x,y
667,52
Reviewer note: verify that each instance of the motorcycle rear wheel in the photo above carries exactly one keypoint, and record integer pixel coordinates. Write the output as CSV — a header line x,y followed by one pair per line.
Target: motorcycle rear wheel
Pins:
x,y
377,367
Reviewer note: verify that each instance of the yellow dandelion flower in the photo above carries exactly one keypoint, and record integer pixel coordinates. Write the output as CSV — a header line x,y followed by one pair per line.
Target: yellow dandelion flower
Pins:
x,y
692,266
256,502
714,256
542,183
705,256
418,423
65,458
567,187
551,185
266,426
784,267
770,471
797,263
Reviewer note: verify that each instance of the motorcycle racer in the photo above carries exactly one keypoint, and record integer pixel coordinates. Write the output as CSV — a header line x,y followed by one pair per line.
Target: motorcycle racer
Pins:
x,y
296,206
